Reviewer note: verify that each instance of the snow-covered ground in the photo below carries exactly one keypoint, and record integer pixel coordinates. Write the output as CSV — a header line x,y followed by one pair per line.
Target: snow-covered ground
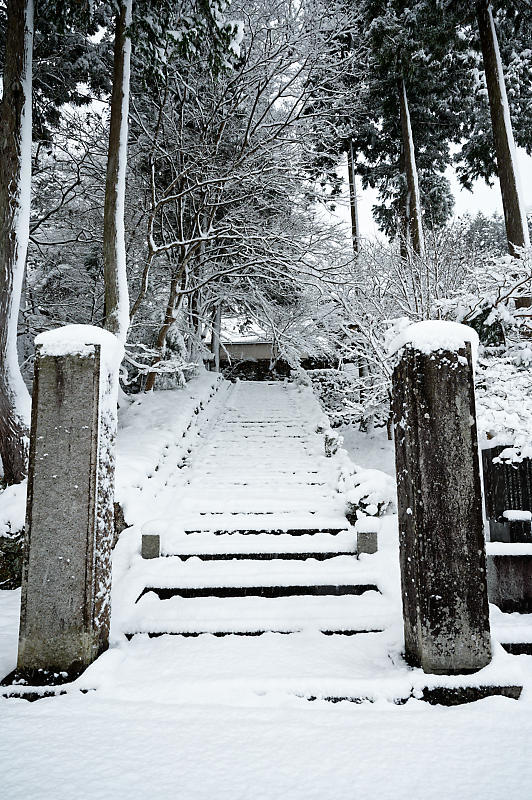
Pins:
x,y
95,746
227,717
370,450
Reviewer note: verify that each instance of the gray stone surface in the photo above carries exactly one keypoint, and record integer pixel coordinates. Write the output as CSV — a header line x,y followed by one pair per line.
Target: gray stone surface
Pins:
x,y
151,545
367,542
442,552
69,525
510,582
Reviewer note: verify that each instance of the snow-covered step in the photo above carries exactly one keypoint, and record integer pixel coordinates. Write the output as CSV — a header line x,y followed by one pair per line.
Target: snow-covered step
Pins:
x,y
289,522
339,575
260,459
228,425
303,492
236,503
513,630
251,481
243,671
253,615
208,543
280,474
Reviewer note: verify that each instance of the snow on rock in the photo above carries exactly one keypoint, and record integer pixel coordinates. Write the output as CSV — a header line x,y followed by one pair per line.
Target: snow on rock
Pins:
x,y
366,524
429,336
517,516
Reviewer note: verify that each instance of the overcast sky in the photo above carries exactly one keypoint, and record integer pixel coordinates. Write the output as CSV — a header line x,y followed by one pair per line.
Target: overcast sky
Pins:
x,y
483,198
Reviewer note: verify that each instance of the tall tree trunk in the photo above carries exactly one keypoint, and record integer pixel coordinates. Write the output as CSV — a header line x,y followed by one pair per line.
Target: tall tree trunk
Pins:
x,y
413,203
114,244
507,169
512,201
353,200
15,195
215,341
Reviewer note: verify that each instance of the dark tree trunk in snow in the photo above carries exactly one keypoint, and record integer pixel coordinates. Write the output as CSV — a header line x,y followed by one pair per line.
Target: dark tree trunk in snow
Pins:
x,y
15,185
114,246
353,200
514,210
215,341
413,203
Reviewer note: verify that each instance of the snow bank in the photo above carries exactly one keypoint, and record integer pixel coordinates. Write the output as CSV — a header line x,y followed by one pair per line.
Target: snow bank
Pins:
x,y
12,508
155,437
432,335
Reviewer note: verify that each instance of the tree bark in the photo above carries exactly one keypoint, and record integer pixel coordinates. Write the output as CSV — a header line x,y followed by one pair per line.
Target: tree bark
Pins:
x,y
114,244
413,203
215,342
15,194
353,200
512,201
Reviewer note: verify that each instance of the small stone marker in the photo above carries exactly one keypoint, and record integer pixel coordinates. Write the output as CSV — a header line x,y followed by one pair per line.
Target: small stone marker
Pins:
x,y
442,551
367,530
66,583
151,545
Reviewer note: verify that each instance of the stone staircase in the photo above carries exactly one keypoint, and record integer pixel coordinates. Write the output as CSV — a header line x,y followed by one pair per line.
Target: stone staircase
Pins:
x,y
250,582
261,543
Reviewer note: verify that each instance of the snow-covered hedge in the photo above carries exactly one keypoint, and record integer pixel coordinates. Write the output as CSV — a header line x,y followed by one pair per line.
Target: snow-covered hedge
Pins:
x,y
368,492
337,394
504,399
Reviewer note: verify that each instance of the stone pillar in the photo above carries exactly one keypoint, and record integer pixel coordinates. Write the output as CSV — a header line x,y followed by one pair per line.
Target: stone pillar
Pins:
x,y
66,582
442,551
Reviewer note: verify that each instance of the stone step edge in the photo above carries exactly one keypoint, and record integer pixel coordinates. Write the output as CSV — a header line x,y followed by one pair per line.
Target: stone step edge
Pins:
x,y
259,631
269,532
165,593
318,555
516,648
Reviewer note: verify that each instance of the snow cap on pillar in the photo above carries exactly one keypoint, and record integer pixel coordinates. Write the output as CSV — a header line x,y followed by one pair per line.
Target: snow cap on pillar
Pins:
x,y
431,335
79,339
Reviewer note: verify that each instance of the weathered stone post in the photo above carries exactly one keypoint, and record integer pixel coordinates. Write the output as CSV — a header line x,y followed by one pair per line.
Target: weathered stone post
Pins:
x,y
66,581
442,551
